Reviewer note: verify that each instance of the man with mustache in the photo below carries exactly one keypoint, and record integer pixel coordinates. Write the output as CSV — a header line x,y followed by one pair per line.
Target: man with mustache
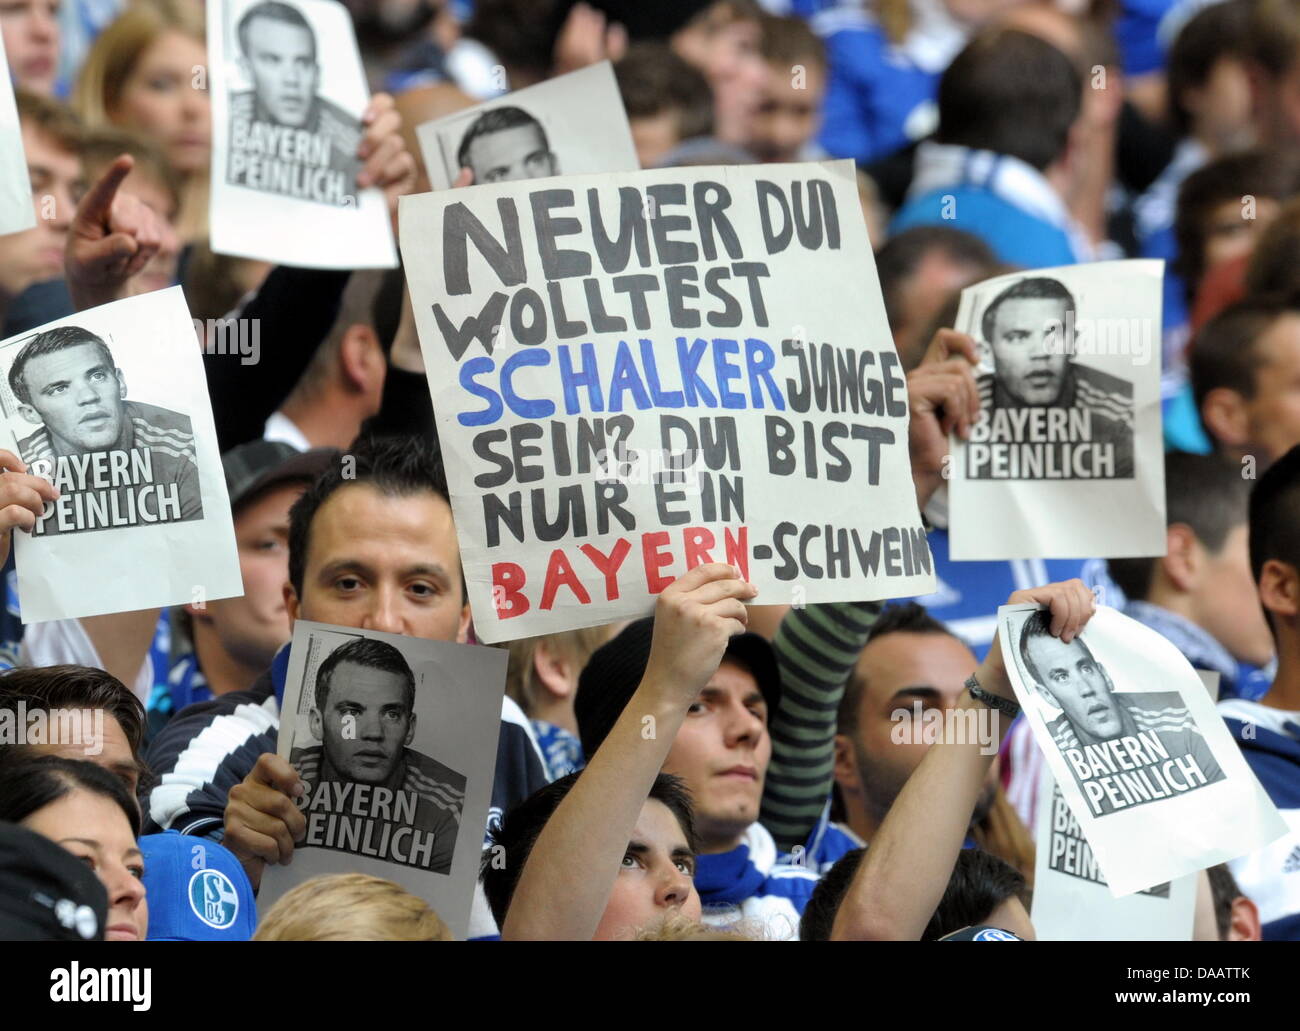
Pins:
x,y
1030,328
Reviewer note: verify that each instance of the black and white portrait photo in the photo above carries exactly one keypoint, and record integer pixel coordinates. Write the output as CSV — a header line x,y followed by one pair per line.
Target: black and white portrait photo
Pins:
x,y
395,738
111,406
1069,382
116,461
364,715
1045,415
504,145
289,93
569,125
1124,749
285,137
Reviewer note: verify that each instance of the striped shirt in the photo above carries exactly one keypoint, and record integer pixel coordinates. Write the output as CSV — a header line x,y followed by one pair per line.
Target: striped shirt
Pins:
x,y
816,648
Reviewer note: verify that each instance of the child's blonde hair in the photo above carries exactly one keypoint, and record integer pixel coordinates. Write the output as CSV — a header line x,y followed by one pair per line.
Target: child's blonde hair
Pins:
x,y
351,907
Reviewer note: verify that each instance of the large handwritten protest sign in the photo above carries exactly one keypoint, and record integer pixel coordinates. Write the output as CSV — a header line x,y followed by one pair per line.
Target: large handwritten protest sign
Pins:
x,y
396,741
1157,786
288,92
1069,424
111,406
636,373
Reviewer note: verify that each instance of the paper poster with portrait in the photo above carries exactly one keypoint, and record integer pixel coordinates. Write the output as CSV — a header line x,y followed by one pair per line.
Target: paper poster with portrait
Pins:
x,y
1066,459
1072,901
396,740
568,125
111,405
16,211
288,93
1156,784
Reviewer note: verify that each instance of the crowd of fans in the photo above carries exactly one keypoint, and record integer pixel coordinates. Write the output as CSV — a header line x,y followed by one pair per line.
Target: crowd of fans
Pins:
x,y
774,801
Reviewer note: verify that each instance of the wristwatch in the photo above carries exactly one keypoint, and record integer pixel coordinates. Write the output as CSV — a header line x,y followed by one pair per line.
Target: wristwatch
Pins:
x,y
1007,706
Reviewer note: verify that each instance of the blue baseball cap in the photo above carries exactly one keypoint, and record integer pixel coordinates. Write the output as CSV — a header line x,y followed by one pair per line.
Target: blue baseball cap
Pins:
x,y
197,890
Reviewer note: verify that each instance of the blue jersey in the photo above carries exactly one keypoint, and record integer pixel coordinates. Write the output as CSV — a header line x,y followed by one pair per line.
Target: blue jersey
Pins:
x,y
1015,236
754,888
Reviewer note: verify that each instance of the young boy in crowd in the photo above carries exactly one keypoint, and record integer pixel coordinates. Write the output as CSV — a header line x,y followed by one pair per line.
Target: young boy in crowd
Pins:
x,y
789,114
1242,364
542,676
667,101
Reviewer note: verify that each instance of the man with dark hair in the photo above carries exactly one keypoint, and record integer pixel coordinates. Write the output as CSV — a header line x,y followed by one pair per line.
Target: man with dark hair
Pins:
x,y
789,113
1269,730
344,383
908,867
701,686
504,145
1163,751
1200,594
1242,364
983,891
67,382
919,270
75,698
364,716
279,58
372,545
668,864
1007,105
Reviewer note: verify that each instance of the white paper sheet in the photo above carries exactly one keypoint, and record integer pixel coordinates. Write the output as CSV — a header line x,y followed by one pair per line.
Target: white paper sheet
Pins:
x,y
395,791
1072,901
16,210
1067,460
286,124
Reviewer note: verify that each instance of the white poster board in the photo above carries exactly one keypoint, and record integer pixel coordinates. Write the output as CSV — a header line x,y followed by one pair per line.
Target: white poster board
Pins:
x,y
634,374
288,92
